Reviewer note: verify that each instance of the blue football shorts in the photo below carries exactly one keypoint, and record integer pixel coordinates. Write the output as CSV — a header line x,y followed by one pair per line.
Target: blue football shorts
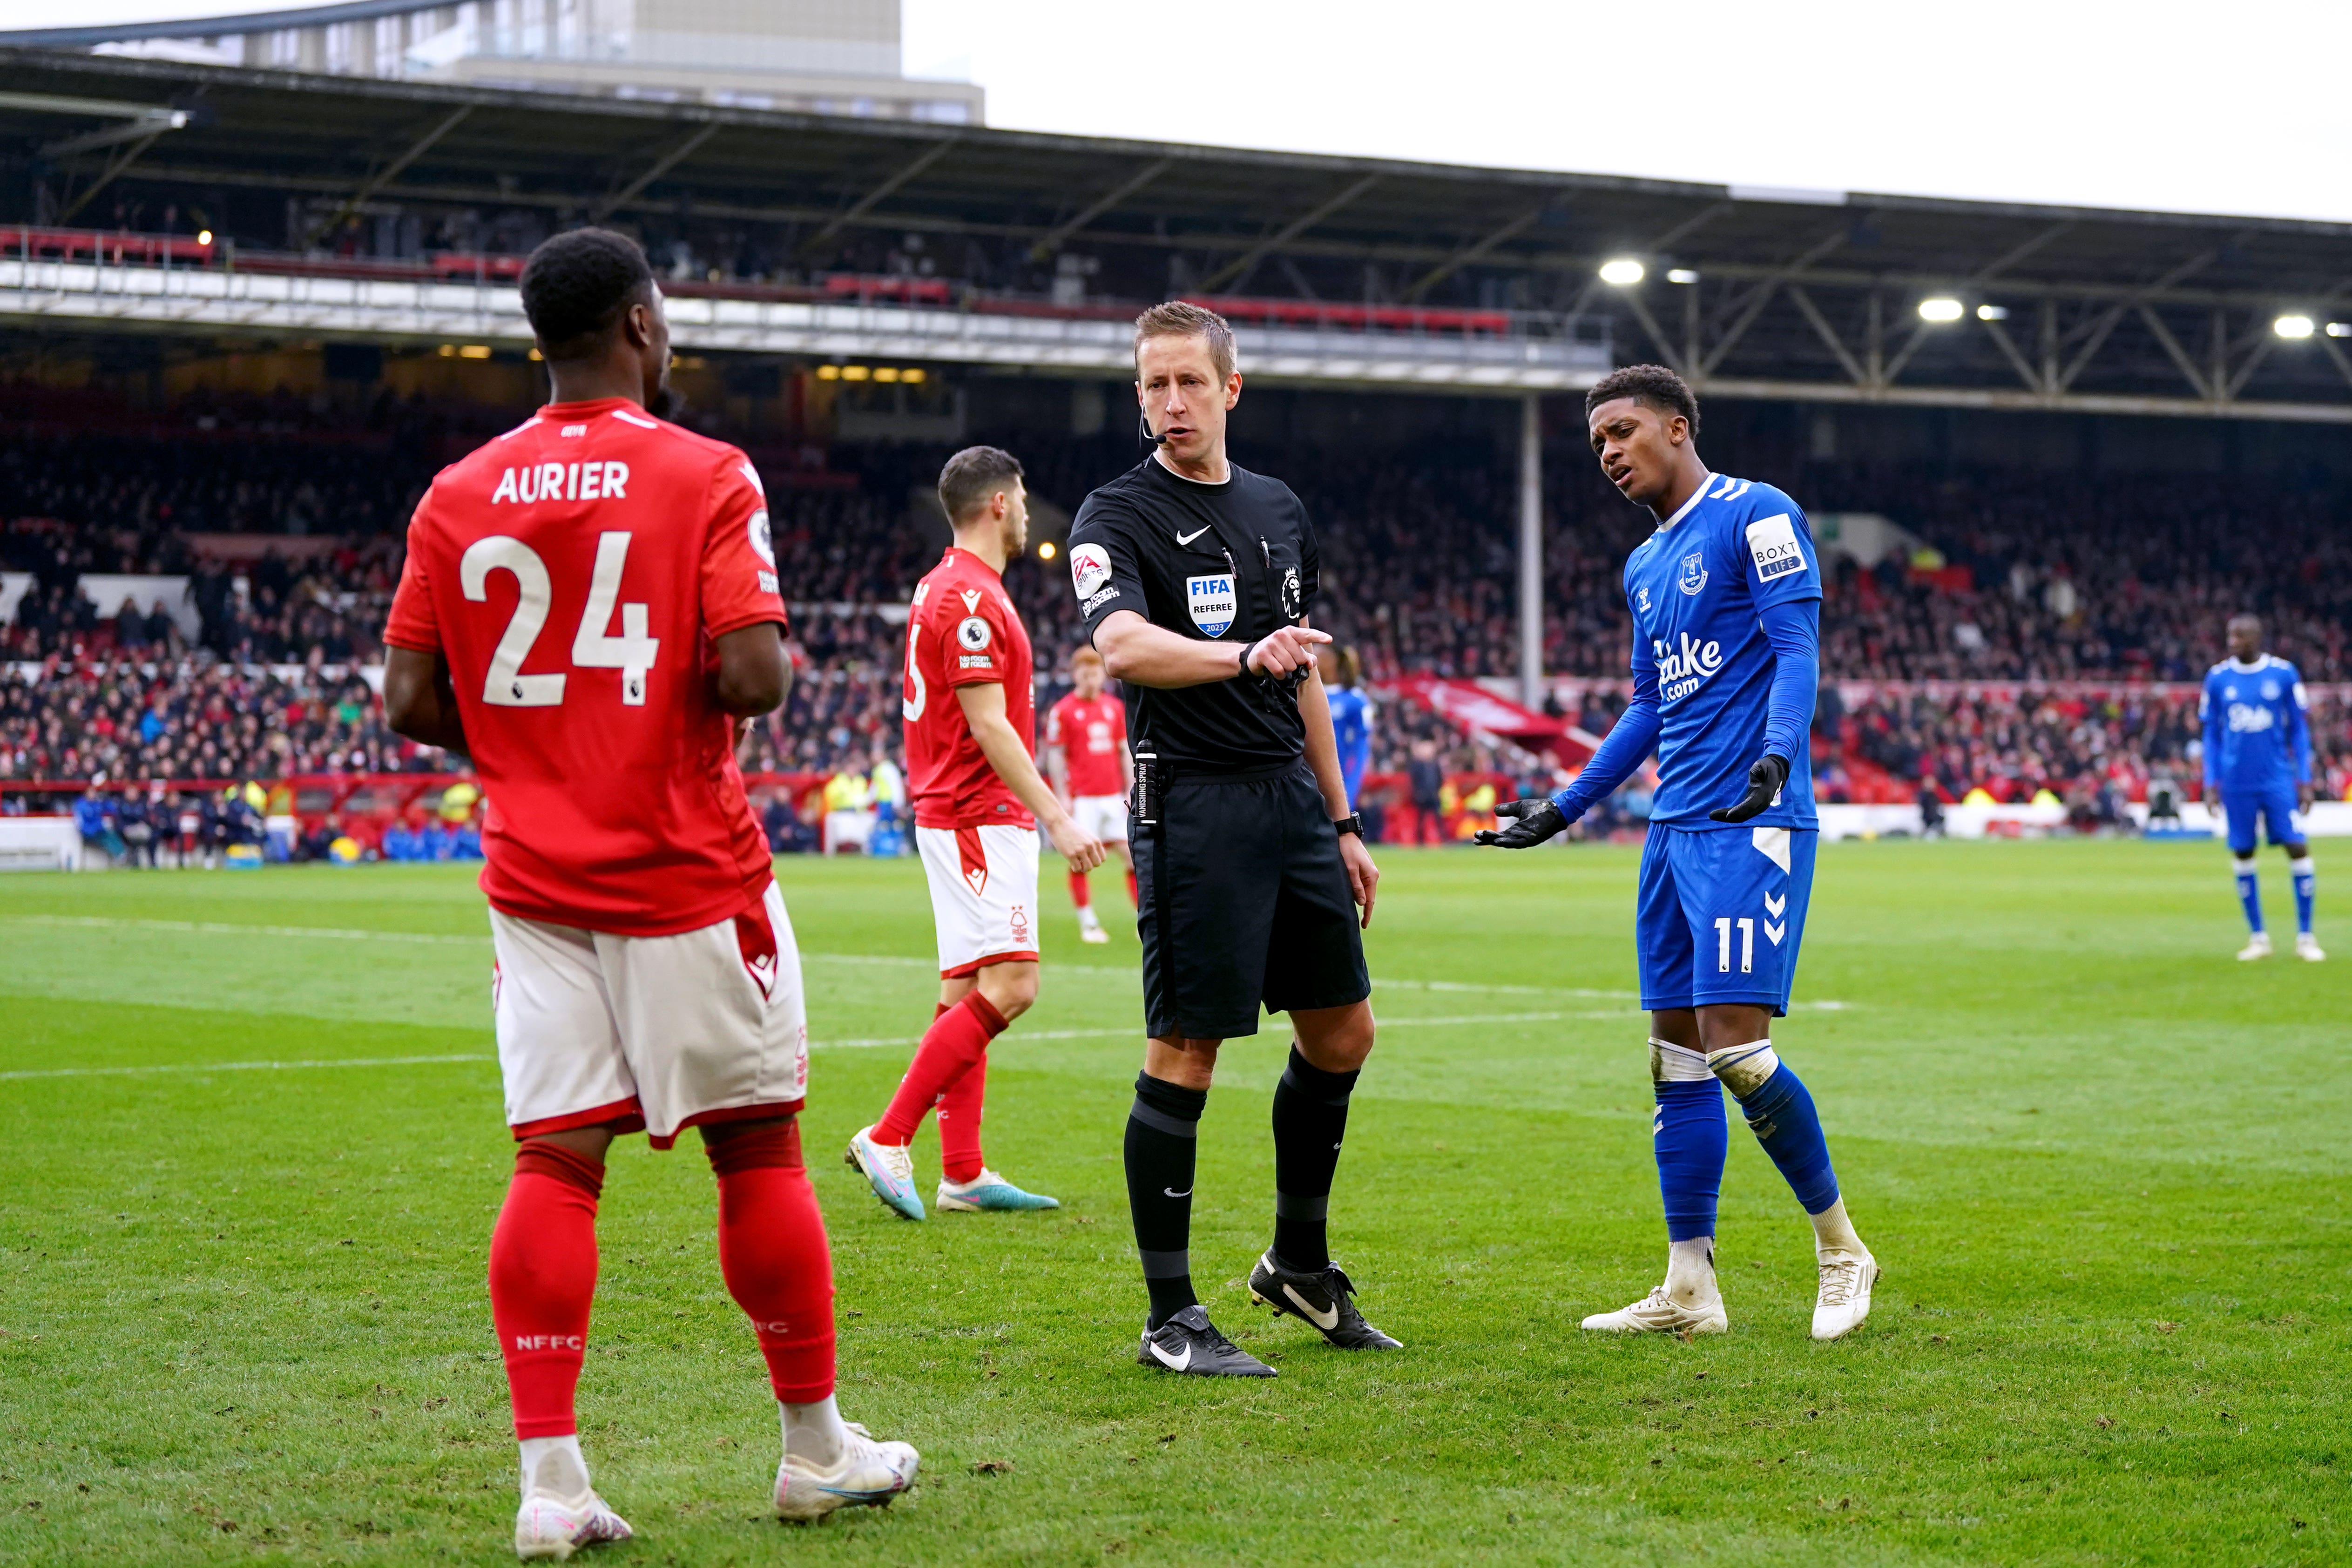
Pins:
x,y
1720,915
2273,805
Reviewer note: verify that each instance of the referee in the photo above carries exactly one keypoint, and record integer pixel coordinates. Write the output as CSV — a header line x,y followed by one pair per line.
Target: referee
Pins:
x,y
1194,577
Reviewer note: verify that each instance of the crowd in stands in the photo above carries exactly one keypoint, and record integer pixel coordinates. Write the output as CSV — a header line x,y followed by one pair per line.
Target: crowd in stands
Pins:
x,y
2023,580
191,721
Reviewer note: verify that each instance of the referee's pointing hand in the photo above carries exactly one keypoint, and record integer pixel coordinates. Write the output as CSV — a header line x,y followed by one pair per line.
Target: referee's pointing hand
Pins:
x,y
1284,651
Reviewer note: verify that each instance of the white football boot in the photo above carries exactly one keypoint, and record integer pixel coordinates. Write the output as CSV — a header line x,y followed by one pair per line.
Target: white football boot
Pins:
x,y
868,1474
1659,1313
1844,1300
2257,946
2306,947
552,1529
1090,926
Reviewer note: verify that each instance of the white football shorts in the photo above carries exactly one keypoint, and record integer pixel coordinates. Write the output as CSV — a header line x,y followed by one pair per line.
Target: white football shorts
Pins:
x,y
983,894
1104,815
659,1032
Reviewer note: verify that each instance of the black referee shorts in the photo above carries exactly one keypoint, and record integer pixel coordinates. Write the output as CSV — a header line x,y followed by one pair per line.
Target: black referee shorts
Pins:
x,y
1245,901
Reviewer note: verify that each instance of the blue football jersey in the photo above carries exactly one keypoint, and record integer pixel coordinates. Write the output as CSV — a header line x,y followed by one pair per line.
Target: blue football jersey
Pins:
x,y
2255,730
1351,725
1697,587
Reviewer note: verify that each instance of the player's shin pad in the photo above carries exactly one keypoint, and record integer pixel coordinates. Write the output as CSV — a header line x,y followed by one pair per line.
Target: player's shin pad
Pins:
x,y
1780,1111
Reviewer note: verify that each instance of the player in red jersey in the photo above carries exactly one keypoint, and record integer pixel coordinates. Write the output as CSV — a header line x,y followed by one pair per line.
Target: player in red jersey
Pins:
x,y
979,802
590,603
1086,757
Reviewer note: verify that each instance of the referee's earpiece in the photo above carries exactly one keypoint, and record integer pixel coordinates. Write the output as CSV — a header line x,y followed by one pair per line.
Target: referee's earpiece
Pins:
x,y
1143,430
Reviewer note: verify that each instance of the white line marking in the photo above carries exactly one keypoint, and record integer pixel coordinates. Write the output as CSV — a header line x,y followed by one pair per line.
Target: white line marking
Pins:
x,y
901,1041
340,934
246,1066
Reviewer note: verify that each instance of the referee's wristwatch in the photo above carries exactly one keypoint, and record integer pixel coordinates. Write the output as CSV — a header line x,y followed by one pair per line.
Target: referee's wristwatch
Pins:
x,y
1351,823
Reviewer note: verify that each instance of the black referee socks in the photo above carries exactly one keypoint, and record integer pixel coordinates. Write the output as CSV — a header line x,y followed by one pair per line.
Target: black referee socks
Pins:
x,y
1310,1119
1162,1135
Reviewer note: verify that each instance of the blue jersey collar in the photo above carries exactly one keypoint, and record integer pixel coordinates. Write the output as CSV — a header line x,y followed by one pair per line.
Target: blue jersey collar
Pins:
x,y
2262,661
1706,480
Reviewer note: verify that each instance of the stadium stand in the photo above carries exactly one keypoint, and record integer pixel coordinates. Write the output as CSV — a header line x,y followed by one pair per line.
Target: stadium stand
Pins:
x,y
2043,638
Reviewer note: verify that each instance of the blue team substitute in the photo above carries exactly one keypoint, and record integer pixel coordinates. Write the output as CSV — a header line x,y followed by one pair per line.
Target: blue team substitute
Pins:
x,y
1725,599
2258,763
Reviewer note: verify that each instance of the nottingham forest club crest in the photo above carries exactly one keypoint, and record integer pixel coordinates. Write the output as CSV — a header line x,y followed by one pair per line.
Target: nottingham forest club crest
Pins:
x,y
1693,576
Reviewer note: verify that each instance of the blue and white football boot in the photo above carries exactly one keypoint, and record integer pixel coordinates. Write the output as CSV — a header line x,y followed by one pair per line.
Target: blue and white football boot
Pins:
x,y
987,1193
889,1172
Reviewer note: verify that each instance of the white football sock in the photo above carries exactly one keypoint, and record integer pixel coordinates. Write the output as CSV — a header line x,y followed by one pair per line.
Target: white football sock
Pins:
x,y
1833,1231
553,1467
1690,1271
815,1432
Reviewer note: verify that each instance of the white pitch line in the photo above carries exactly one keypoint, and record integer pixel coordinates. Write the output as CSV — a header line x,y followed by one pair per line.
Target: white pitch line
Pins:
x,y
900,1041
340,933
246,1066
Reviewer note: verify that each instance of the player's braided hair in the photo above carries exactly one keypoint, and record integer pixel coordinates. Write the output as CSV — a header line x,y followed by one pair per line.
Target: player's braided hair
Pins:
x,y
577,286
1654,384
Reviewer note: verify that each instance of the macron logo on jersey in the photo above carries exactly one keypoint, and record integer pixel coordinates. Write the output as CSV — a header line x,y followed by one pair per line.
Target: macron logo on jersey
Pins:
x,y
1772,545
562,481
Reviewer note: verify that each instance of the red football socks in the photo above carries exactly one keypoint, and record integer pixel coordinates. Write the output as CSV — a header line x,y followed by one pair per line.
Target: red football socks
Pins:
x,y
543,1279
1134,893
1081,894
960,1107
773,1253
956,1039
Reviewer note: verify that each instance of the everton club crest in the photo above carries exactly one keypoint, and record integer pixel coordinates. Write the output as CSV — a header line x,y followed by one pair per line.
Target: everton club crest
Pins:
x,y
1694,575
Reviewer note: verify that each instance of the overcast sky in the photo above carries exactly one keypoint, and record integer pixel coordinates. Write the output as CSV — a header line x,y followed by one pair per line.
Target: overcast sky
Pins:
x,y
2230,108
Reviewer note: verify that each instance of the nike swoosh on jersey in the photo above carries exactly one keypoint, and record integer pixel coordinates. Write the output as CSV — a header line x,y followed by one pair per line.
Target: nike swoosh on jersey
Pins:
x,y
1188,538
1326,1319
1173,1363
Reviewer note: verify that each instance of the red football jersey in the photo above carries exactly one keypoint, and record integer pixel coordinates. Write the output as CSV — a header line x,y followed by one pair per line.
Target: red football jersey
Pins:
x,y
573,574
963,631
1093,737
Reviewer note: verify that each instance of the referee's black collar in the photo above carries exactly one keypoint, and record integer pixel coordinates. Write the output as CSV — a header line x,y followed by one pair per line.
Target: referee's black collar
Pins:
x,y
1156,460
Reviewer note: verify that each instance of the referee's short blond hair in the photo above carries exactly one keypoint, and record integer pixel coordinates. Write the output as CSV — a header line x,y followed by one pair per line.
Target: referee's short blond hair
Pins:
x,y
1176,319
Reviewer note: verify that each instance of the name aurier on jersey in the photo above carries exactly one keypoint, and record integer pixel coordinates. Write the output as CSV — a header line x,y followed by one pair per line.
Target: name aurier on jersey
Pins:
x,y
564,481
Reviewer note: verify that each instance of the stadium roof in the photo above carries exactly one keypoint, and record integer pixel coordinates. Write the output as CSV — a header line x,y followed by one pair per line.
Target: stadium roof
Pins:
x,y
1805,295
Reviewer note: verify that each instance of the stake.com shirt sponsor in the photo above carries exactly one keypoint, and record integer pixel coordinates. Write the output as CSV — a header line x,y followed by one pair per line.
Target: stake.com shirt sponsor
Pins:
x,y
1697,587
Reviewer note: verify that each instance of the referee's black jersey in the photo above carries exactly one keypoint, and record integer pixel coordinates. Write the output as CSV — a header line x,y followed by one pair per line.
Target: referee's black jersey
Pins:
x,y
1228,562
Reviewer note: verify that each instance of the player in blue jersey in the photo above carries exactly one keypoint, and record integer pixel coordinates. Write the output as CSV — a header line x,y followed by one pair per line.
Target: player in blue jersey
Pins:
x,y
1725,600
1351,715
2258,768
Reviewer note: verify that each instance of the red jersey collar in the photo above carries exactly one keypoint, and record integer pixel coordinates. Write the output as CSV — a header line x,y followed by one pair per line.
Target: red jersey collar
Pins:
x,y
591,408
954,550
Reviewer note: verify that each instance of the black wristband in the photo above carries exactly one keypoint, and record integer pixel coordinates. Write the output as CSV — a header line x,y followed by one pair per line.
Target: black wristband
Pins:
x,y
1351,823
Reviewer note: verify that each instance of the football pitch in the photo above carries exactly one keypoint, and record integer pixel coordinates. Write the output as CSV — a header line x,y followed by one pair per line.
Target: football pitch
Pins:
x,y
254,1150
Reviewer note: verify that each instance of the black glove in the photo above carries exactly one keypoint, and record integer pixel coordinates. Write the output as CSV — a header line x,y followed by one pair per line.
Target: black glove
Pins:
x,y
1764,781
1538,819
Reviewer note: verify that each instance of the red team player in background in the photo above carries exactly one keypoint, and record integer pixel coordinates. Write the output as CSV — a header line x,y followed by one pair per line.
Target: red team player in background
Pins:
x,y
1086,752
979,801
589,604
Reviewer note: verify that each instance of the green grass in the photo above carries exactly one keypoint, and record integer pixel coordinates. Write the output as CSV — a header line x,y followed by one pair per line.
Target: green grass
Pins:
x,y
241,1311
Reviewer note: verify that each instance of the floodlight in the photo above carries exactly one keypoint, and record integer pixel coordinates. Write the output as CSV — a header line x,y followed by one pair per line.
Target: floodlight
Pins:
x,y
1623,272
1939,309
1992,312
204,236
2339,329
1682,275
1045,549
2292,326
